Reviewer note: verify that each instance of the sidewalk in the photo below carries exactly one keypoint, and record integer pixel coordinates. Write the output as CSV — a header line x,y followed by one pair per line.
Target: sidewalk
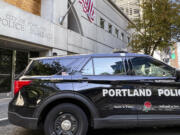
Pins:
x,y
4,109
5,95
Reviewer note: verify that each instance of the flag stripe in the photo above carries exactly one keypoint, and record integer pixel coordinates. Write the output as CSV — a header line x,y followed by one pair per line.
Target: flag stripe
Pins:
x,y
88,8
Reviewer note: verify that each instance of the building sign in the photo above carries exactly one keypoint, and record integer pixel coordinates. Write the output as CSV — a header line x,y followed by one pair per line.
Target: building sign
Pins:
x,y
20,25
88,8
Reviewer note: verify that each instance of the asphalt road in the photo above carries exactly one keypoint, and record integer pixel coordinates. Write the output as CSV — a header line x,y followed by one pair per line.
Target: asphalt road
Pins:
x,y
8,129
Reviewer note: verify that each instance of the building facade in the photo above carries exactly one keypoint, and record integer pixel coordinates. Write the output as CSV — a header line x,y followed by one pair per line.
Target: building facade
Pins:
x,y
130,7
32,28
175,56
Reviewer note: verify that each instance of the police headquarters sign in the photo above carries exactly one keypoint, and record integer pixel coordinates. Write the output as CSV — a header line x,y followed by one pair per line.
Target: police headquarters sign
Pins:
x,y
139,92
18,24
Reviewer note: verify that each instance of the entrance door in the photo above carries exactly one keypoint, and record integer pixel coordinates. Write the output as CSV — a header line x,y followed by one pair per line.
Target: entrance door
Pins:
x,y
6,67
21,61
5,70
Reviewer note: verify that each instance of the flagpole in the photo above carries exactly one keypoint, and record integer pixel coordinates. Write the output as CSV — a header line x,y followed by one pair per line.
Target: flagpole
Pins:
x,y
61,19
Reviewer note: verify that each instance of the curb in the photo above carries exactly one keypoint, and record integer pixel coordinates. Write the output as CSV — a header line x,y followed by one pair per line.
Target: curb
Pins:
x,y
4,121
5,99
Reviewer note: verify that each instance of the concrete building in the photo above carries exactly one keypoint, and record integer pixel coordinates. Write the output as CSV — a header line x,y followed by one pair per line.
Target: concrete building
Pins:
x,y
32,28
130,7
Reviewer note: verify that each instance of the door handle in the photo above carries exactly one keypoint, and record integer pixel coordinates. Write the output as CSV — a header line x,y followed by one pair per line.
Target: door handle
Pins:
x,y
85,78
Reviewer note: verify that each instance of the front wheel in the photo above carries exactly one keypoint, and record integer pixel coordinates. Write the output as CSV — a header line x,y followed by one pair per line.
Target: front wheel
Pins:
x,y
66,119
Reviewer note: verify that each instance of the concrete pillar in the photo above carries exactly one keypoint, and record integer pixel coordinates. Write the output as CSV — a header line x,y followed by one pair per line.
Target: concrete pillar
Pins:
x,y
60,9
13,71
47,9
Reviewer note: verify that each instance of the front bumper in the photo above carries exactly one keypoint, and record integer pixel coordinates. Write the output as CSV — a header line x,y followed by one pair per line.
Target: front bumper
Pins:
x,y
26,122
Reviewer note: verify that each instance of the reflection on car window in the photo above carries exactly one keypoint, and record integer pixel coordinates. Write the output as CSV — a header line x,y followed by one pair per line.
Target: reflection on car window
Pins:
x,y
88,69
48,67
109,66
148,67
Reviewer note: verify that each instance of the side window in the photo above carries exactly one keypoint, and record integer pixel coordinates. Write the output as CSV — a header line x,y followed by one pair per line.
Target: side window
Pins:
x,y
46,67
109,66
150,67
88,69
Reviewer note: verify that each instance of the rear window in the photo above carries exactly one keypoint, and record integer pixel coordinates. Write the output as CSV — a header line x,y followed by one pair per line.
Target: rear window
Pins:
x,y
46,67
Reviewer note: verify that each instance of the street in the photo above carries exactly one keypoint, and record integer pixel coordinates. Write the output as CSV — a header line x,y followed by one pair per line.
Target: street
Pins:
x,y
8,129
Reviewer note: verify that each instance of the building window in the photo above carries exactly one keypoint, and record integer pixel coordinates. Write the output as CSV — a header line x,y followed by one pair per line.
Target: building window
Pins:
x,y
122,9
73,21
102,21
128,39
5,70
136,11
127,10
117,32
130,11
110,28
122,36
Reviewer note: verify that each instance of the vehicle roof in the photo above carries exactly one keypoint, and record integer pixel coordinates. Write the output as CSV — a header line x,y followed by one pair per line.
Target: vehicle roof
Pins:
x,y
95,55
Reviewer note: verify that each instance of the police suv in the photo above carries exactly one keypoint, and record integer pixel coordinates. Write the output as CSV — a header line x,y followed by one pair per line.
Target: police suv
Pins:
x,y
68,95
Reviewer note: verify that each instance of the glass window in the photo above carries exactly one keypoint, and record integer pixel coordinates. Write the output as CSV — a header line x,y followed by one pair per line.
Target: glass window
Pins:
x,y
110,28
5,70
46,67
150,67
109,66
130,11
122,9
128,39
21,61
88,69
102,23
127,10
136,11
122,36
117,32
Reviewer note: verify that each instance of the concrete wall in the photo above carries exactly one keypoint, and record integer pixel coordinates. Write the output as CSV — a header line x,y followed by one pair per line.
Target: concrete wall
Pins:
x,y
96,39
18,24
45,31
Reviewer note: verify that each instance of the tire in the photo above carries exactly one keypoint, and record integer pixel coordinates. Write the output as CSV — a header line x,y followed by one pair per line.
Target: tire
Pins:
x,y
60,118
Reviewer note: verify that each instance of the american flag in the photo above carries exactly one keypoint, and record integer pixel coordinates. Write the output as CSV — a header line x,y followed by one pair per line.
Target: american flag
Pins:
x,y
88,8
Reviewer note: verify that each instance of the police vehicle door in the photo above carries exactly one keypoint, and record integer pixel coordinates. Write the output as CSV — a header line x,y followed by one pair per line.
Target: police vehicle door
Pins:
x,y
105,84
163,102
